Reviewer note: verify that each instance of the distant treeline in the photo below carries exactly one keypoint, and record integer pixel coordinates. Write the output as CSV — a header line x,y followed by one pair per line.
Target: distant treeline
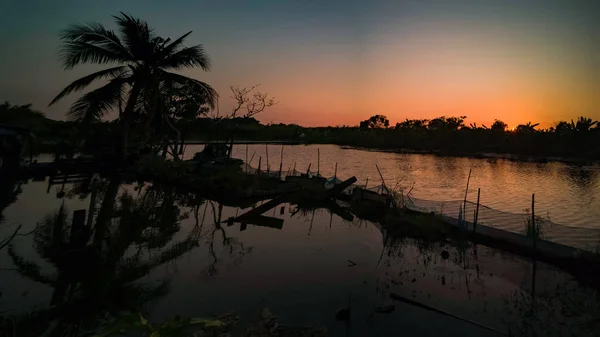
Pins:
x,y
578,139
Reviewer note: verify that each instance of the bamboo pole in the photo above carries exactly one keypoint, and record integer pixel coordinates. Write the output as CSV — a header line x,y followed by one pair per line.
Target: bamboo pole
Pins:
x,y
267,151
318,161
427,307
381,176
535,232
466,191
281,162
476,211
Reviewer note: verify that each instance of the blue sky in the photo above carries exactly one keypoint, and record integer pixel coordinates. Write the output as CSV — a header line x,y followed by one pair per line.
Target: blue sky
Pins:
x,y
337,62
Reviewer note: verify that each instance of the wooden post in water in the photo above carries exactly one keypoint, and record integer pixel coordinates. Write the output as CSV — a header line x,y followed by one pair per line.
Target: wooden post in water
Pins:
x,y
366,182
534,229
476,211
281,162
465,201
335,173
267,150
259,163
308,169
318,161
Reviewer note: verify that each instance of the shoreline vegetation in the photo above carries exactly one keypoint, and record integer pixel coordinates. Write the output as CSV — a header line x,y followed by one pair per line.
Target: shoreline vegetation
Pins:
x,y
567,142
572,141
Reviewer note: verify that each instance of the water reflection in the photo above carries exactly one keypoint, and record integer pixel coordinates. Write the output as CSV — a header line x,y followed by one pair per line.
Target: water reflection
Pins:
x,y
96,264
151,248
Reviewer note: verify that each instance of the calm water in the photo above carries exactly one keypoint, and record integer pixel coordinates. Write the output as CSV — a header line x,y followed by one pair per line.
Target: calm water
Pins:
x,y
568,194
301,271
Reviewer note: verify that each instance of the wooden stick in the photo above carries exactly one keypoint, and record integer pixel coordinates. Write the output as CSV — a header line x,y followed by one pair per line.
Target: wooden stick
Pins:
x,y
465,201
318,161
424,306
476,210
535,233
381,176
247,164
267,150
335,172
281,162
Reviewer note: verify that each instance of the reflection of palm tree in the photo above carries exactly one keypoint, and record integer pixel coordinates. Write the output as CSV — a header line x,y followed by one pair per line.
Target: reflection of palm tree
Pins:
x,y
92,278
145,61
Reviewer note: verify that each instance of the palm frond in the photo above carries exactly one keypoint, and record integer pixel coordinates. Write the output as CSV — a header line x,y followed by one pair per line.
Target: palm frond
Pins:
x,y
209,93
87,80
187,58
137,36
73,53
94,104
173,46
133,271
96,34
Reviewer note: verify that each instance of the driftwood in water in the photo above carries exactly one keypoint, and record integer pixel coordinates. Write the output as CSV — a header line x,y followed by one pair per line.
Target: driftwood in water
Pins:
x,y
262,208
337,189
264,221
254,213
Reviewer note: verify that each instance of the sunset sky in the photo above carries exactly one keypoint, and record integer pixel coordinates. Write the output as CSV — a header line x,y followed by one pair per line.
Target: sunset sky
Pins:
x,y
338,62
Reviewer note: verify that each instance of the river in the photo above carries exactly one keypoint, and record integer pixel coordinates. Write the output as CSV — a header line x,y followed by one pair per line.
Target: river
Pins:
x,y
567,194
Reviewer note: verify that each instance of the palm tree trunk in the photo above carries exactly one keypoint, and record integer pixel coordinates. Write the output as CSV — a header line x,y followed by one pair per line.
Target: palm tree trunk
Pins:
x,y
126,120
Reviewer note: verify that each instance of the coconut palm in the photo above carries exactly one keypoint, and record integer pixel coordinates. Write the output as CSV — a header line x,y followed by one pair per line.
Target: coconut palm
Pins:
x,y
144,64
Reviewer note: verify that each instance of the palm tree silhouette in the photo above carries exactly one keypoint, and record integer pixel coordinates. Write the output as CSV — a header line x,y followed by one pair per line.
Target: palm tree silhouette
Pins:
x,y
145,61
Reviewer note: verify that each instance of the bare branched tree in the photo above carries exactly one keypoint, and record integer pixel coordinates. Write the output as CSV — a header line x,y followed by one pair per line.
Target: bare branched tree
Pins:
x,y
249,102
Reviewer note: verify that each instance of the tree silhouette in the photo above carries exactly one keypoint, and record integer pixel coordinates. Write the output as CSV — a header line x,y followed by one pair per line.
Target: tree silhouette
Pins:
x,y
413,124
446,123
375,122
583,124
145,61
498,126
527,127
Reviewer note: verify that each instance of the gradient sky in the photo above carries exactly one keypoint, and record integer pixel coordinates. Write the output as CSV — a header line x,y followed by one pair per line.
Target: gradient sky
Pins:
x,y
338,62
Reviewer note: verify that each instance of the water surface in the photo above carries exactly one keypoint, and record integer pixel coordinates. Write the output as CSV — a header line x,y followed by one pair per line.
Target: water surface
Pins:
x,y
302,272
